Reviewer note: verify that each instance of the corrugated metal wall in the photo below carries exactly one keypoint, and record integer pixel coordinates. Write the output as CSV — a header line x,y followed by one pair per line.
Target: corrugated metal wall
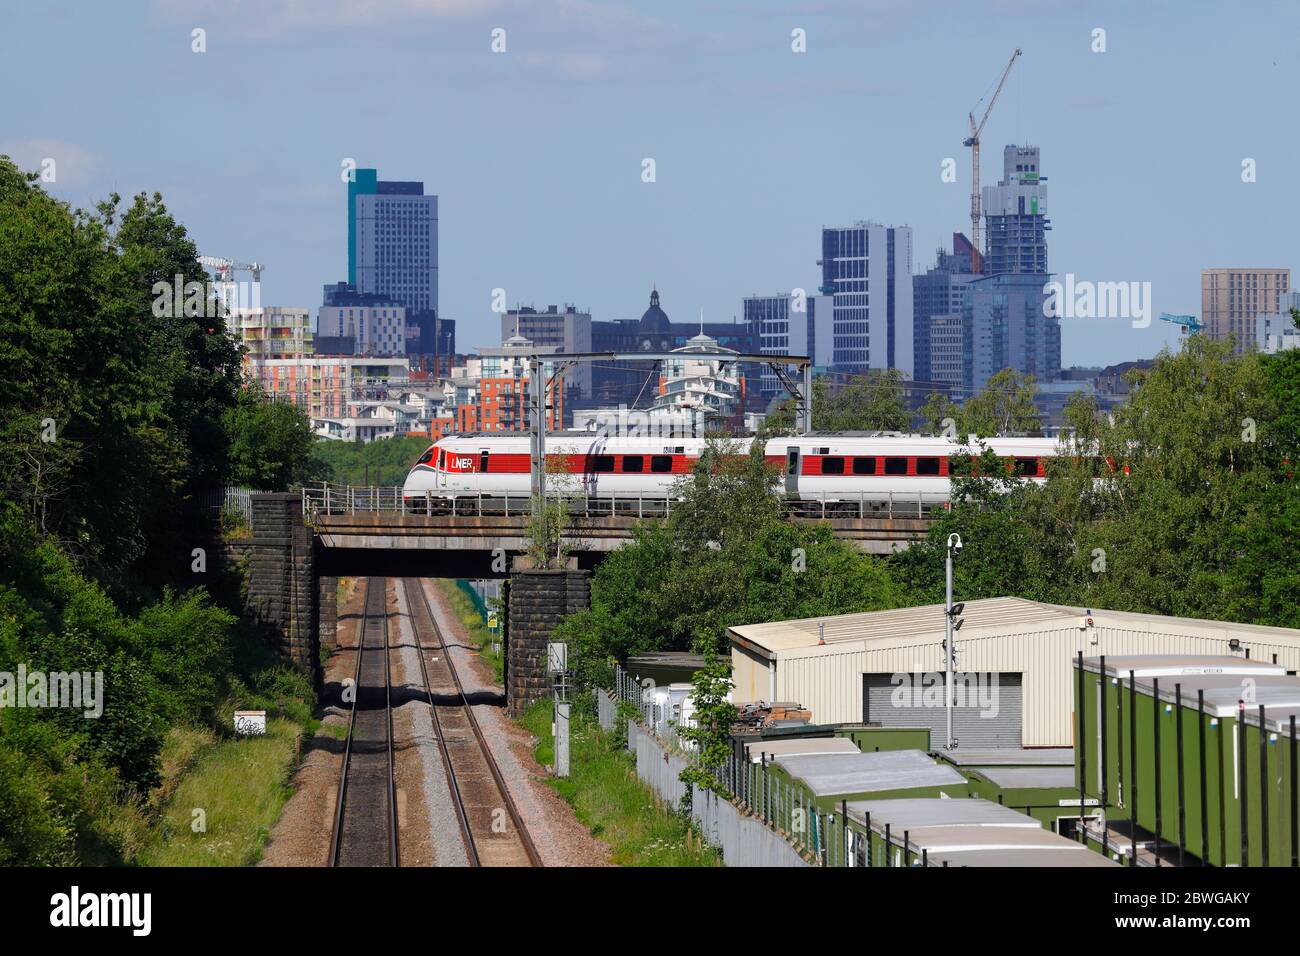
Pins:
x,y
828,680
749,673
999,724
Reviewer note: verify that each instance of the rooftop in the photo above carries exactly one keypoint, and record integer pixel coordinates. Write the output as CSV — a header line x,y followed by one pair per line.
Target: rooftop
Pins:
x,y
997,615
830,774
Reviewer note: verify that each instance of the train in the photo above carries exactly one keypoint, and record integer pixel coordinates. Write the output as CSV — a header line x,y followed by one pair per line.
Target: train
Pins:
x,y
820,468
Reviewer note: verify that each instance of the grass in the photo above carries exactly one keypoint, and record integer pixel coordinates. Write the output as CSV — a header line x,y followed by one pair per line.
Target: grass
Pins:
x,y
239,784
475,627
611,801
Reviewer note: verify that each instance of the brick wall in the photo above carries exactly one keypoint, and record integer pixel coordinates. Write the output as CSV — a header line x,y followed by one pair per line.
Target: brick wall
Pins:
x,y
538,601
282,586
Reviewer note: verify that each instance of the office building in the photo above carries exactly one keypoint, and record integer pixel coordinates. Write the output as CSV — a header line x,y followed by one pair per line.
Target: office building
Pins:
x,y
568,330
1004,327
778,329
393,251
1015,215
940,291
1277,331
1232,300
867,276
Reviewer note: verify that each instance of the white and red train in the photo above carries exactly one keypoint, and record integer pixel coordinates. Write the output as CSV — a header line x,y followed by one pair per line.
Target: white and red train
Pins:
x,y
817,468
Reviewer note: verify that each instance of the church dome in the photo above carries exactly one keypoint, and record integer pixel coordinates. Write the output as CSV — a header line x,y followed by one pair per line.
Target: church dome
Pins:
x,y
654,321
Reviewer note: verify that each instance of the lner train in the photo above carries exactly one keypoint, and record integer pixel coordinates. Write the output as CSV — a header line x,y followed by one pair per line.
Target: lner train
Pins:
x,y
816,468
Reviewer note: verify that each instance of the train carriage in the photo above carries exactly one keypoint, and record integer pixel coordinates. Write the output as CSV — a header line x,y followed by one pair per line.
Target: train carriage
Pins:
x,y
836,469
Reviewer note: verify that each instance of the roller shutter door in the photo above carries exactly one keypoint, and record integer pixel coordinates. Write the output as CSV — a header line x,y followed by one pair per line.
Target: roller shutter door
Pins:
x,y
989,711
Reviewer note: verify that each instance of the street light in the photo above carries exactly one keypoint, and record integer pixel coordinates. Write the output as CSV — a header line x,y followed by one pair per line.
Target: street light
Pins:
x,y
951,624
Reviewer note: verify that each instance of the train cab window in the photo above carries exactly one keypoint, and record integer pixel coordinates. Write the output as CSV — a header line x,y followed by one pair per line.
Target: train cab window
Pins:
x,y
483,460
633,463
600,464
927,466
1027,467
442,459
832,466
864,466
792,461
895,466
425,458
661,464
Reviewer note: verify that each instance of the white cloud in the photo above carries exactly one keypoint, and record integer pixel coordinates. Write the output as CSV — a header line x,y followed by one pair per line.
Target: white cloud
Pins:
x,y
73,165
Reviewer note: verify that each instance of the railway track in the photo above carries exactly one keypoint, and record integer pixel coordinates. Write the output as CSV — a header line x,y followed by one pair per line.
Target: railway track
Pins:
x,y
365,810
491,827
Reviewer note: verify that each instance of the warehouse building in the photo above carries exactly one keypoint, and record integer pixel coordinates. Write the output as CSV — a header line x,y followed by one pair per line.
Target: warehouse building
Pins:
x,y
1014,658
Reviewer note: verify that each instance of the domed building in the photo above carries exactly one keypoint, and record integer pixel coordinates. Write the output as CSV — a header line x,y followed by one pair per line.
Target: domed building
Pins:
x,y
634,384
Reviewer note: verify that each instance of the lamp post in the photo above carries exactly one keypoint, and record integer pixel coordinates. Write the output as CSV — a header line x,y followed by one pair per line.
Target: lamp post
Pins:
x,y
949,613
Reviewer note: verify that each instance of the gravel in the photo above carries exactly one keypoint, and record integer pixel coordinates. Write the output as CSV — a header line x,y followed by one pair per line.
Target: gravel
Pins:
x,y
560,839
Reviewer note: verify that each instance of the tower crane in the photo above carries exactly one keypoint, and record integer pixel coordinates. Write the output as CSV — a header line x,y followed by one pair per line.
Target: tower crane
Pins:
x,y
973,141
1188,324
226,267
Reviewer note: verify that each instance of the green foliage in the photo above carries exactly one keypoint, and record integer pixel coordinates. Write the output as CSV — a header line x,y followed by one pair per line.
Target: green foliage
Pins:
x,y
1004,407
383,462
724,556
272,446
1195,528
871,402
714,715
133,401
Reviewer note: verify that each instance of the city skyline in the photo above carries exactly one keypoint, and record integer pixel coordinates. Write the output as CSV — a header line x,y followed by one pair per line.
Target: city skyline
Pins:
x,y
507,142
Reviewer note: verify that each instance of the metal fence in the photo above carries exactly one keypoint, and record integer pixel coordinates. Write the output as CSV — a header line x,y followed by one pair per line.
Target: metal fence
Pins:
x,y
238,501
729,819
352,499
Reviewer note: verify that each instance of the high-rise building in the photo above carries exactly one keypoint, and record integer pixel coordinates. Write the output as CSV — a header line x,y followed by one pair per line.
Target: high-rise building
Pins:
x,y
1277,331
1015,215
393,249
1003,326
867,275
946,348
569,330
1232,299
940,291
780,330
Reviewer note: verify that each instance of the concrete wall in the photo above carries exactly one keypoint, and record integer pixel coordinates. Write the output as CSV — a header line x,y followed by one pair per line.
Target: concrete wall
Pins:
x,y
538,601
742,837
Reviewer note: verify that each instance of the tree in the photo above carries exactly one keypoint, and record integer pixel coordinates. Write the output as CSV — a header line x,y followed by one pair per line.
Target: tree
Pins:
x,y
875,401
1005,406
272,446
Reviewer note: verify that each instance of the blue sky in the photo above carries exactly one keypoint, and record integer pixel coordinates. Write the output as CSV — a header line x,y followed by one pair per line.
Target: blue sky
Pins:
x,y
536,153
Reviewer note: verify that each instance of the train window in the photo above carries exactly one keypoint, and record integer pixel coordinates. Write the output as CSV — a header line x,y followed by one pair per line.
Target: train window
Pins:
x,y
442,459
1027,467
895,466
600,464
792,462
425,458
633,463
483,460
864,466
927,466
661,464
832,466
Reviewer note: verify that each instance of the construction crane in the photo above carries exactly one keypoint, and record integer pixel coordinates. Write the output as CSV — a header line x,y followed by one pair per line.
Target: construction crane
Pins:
x,y
226,267
1189,324
973,141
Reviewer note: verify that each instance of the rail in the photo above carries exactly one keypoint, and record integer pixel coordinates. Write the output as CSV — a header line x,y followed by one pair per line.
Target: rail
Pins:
x,y
464,756
364,835
328,499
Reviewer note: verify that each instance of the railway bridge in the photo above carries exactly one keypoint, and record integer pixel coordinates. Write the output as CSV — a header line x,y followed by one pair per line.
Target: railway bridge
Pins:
x,y
303,542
